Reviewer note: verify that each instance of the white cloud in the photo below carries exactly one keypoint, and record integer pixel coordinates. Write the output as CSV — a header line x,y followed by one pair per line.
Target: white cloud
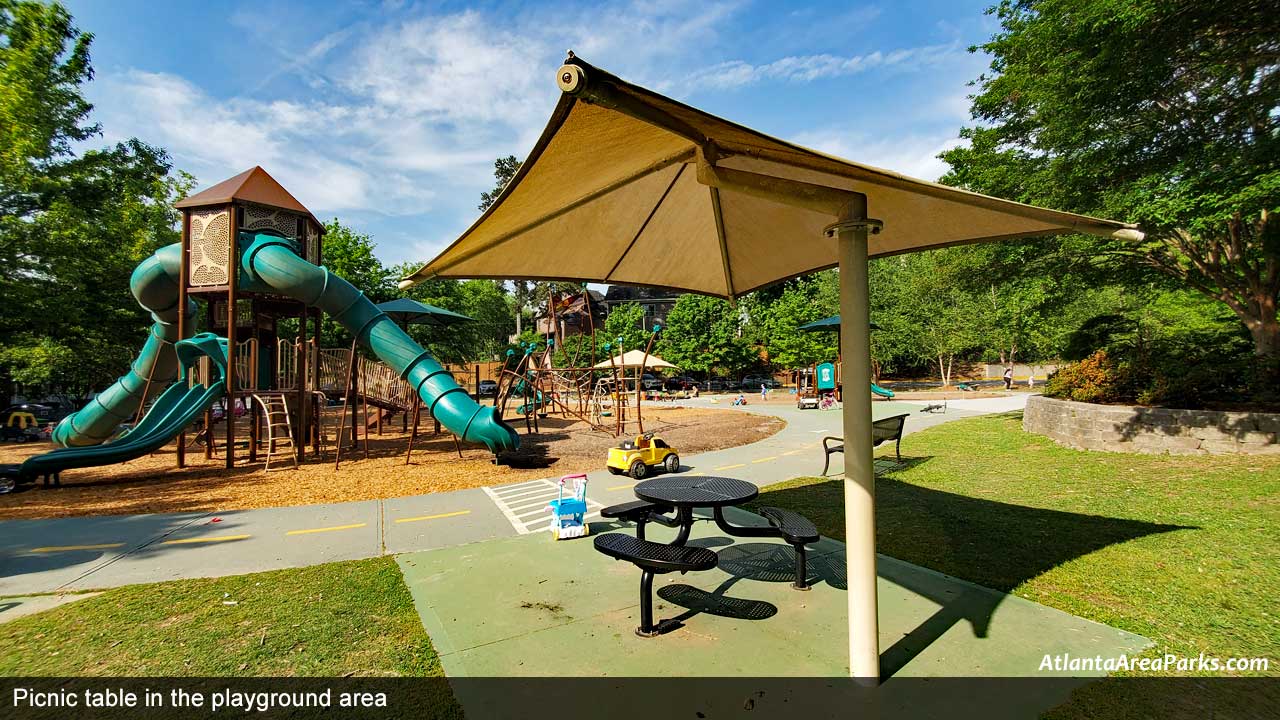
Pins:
x,y
913,155
396,120
808,68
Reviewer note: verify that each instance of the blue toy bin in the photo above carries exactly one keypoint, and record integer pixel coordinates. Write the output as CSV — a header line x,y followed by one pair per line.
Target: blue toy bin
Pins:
x,y
568,514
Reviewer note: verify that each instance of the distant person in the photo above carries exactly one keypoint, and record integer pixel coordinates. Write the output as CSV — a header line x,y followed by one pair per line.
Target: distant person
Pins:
x,y
740,400
695,391
764,392
1008,377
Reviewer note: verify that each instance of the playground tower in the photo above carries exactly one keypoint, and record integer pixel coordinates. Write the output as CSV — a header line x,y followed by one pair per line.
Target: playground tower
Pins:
x,y
212,220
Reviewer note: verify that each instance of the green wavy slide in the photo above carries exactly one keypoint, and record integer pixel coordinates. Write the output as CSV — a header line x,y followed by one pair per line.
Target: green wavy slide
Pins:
x,y
268,263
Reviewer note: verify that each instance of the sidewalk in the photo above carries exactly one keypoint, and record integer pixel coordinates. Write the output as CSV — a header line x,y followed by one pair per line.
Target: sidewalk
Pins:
x,y
108,551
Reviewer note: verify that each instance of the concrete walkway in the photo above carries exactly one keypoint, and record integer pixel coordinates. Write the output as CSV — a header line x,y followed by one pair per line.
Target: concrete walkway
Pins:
x,y
108,551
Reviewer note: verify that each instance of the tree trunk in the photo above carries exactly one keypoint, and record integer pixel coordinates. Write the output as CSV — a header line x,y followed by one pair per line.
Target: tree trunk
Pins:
x,y
1264,326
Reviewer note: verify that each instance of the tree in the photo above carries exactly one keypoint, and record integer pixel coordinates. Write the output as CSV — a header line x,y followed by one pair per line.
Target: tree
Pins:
x,y
703,334
1159,111
624,328
72,227
776,314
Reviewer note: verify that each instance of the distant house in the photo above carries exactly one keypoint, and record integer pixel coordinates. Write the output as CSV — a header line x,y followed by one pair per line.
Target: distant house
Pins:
x,y
656,302
574,315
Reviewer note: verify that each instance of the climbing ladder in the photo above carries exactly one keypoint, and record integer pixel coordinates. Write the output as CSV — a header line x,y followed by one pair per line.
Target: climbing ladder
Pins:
x,y
279,429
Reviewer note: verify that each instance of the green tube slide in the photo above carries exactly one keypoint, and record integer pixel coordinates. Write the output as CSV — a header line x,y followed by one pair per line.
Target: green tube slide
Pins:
x,y
174,410
271,263
155,285
882,392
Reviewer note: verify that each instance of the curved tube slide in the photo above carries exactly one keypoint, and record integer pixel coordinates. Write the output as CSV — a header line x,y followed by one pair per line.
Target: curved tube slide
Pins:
x,y
882,392
172,412
155,285
271,263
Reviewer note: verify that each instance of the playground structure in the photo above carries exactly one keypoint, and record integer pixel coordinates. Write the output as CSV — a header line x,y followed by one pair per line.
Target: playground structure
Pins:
x,y
832,324
595,393
251,252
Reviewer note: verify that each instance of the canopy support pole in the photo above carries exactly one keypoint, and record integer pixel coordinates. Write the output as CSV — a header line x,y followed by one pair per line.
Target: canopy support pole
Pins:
x,y
859,472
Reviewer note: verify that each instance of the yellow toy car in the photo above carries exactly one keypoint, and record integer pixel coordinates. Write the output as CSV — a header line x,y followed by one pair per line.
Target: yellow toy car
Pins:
x,y
635,457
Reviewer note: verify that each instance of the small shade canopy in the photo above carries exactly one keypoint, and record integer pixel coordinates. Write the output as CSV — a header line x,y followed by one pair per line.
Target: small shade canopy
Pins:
x,y
411,312
628,186
831,324
634,359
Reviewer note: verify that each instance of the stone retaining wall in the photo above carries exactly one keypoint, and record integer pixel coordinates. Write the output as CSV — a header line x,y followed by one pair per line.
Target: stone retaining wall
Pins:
x,y
1127,428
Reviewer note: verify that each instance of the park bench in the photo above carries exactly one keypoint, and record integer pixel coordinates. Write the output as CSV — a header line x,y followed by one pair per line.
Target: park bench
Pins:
x,y
883,430
798,531
653,559
639,512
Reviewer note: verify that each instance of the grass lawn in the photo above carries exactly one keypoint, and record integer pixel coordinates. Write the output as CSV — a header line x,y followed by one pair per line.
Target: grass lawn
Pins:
x,y
1182,549
347,618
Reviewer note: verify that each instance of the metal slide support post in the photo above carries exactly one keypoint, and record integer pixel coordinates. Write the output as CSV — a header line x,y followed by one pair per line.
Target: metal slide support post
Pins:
x,y
851,232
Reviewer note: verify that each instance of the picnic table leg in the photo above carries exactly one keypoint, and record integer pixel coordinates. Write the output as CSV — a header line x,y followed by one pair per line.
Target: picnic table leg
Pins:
x,y
686,526
646,605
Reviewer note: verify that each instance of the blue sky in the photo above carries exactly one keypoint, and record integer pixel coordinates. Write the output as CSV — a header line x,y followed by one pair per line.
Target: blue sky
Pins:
x,y
388,114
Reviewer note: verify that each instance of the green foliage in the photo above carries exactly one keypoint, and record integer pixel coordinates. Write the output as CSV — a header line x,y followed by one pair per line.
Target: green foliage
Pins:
x,y
504,168
44,59
777,314
702,334
1095,379
72,227
1154,111
624,329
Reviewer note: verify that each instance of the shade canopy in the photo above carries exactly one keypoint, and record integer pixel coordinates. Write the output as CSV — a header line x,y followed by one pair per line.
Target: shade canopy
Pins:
x,y
411,312
634,359
627,186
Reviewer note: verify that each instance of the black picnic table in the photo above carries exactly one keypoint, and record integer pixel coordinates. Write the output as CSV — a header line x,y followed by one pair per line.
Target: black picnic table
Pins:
x,y
686,492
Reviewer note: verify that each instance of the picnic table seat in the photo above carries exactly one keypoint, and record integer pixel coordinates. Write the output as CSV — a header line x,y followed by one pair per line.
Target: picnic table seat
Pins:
x,y
639,512
653,559
882,431
798,531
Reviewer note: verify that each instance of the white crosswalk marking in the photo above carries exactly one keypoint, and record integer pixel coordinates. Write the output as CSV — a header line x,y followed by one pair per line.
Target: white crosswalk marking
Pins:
x,y
525,504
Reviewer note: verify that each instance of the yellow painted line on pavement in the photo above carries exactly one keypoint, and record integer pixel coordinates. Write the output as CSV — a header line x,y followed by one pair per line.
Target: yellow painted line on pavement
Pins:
x,y
308,531
730,467
766,459
433,517
218,538
68,548
621,487
793,452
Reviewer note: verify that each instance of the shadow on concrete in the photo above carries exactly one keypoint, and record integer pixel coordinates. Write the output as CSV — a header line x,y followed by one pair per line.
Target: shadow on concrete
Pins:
x,y
993,544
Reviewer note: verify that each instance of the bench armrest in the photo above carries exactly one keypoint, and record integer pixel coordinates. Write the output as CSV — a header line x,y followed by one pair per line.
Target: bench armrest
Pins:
x,y
826,444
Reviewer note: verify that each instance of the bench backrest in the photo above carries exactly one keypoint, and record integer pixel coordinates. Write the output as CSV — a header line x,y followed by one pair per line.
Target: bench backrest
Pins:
x,y
888,428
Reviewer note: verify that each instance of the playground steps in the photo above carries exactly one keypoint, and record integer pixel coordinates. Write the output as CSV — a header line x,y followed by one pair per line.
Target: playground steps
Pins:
x,y
279,429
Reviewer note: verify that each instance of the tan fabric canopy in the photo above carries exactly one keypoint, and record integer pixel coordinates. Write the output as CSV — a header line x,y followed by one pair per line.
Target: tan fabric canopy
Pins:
x,y
627,186
634,359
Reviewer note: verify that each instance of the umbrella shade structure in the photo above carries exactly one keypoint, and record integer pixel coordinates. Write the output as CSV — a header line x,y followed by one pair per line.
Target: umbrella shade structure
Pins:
x,y
405,311
628,186
831,324
634,359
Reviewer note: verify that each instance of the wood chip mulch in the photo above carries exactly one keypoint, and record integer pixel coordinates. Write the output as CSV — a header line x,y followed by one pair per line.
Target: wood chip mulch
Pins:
x,y
154,484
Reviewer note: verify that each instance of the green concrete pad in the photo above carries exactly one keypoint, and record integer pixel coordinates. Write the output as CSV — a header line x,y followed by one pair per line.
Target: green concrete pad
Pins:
x,y
531,606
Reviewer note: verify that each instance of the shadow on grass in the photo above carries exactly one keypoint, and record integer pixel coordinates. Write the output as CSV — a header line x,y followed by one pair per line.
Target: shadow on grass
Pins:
x,y
993,544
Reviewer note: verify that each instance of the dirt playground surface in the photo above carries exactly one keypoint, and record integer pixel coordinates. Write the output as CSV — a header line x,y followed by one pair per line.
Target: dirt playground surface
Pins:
x,y
153,484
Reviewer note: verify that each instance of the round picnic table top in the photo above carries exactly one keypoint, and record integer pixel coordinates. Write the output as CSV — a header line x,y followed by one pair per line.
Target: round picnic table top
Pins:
x,y
696,491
